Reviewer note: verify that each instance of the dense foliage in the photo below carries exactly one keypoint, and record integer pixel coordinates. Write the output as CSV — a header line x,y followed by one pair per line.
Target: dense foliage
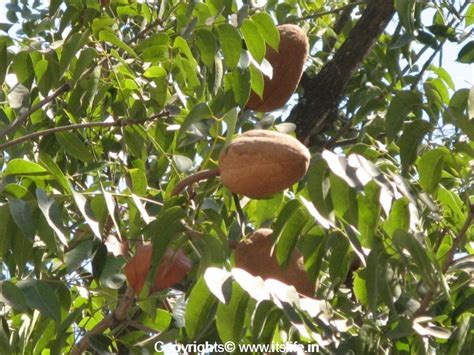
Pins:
x,y
106,105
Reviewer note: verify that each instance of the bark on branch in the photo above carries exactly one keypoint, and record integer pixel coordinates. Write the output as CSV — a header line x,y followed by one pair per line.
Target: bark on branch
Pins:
x,y
118,316
324,92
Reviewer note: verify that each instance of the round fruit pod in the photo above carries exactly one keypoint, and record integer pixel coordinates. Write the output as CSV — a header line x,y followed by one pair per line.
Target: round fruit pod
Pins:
x,y
260,163
173,268
254,255
287,65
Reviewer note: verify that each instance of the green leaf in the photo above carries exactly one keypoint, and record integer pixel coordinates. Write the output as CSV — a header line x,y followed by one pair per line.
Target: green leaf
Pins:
x,y
139,181
200,310
402,104
230,118
207,46
39,295
72,45
257,82
110,37
254,40
12,295
74,146
230,317
163,229
287,228
405,10
430,168
85,60
466,54
264,210
199,112
24,168
241,86
411,138
469,19
360,289
318,186
369,213
52,214
267,28
452,206
404,240
22,215
183,46
399,217
155,72
344,200
3,61
231,44
6,227
81,203
55,171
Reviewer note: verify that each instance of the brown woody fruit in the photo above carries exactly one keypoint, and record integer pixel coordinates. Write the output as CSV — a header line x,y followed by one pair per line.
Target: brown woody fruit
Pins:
x,y
254,256
287,66
173,268
260,163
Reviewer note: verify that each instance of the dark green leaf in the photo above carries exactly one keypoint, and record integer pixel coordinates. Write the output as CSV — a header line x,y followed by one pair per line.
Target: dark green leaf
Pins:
x,y
52,214
430,168
207,45
200,309
74,146
402,104
40,296
12,295
198,112
230,317
22,214
410,140
231,44
241,86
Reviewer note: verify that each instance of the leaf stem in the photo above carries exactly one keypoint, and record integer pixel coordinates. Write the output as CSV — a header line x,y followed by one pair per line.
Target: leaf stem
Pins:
x,y
199,176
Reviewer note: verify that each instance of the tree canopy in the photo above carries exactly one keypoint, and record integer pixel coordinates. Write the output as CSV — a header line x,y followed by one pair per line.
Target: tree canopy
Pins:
x,y
113,114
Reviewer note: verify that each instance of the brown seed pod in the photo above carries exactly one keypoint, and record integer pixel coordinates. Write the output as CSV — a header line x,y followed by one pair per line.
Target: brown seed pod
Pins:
x,y
173,268
260,163
287,66
254,256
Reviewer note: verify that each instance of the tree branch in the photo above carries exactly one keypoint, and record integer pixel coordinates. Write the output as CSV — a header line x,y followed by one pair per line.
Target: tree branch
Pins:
x,y
46,132
200,175
110,321
324,92
24,116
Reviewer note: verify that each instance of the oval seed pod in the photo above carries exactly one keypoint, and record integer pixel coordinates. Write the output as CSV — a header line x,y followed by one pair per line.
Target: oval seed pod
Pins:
x,y
287,65
260,163
254,256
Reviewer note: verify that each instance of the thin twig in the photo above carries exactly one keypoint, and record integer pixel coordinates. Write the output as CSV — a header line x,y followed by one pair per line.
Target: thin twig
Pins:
x,y
110,321
149,27
200,175
324,13
24,116
339,134
118,123
449,260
